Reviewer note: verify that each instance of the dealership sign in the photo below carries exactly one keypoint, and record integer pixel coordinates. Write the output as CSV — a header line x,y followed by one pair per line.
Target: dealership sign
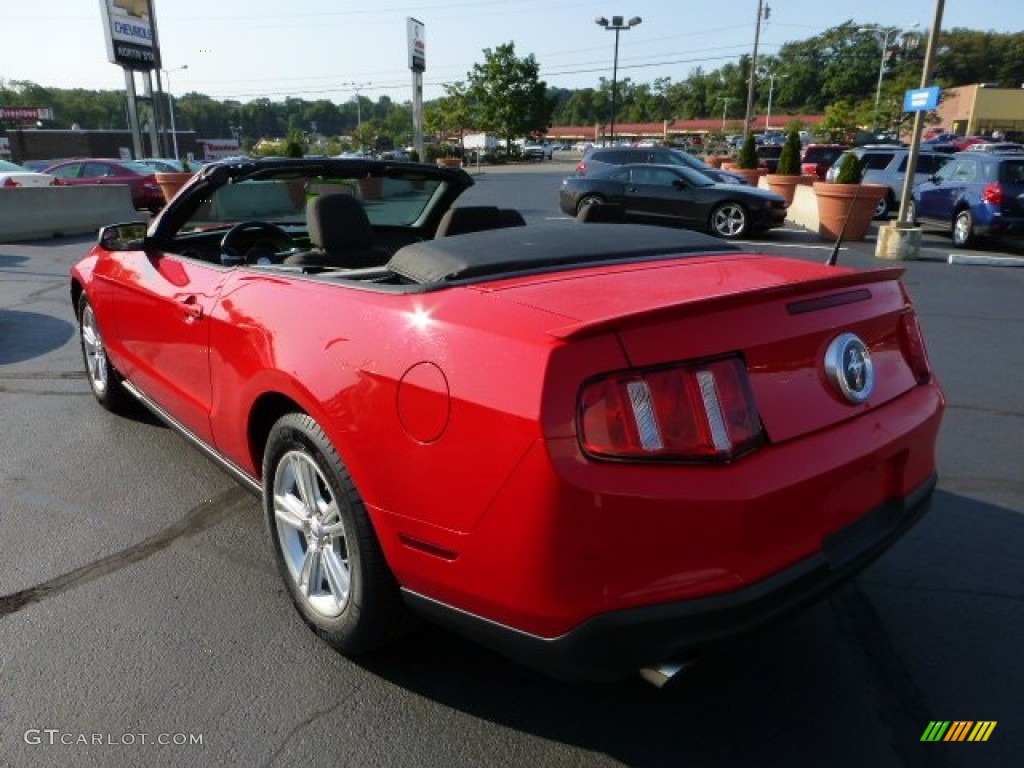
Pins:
x,y
417,45
130,33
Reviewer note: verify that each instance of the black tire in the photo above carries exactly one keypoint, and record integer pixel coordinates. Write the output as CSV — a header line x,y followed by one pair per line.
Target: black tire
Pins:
x,y
104,379
588,200
884,206
326,549
730,220
963,229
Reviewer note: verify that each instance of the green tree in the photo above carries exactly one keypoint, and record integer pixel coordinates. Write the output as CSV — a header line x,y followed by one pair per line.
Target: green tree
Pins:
x,y
451,114
841,121
508,97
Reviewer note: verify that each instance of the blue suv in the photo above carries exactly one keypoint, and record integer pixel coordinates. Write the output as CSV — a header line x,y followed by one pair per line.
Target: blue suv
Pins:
x,y
975,194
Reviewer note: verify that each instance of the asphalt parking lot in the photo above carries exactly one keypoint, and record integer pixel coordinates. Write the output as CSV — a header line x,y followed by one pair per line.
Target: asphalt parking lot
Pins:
x,y
138,597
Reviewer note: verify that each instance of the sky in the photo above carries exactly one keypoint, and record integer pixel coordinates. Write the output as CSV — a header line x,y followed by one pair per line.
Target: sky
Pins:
x,y
330,49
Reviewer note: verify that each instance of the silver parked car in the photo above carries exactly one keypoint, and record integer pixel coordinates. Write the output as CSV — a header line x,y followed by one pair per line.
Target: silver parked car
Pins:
x,y
887,164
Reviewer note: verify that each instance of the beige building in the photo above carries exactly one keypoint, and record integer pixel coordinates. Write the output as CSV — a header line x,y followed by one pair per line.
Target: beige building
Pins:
x,y
978,109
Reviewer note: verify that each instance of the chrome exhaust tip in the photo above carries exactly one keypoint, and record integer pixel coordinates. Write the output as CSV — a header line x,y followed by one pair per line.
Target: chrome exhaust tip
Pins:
x,y
662,674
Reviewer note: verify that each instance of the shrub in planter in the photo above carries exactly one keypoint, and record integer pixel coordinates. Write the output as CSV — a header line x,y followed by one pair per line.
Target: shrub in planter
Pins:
x,y
747,158
847,206
787,175
849,170
747,162
789,160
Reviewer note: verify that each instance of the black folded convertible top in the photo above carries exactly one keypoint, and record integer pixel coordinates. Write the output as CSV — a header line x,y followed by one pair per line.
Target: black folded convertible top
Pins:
x,y
501,252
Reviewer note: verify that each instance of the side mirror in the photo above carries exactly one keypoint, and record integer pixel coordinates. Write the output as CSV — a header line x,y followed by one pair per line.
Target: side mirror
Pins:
x,y
130,236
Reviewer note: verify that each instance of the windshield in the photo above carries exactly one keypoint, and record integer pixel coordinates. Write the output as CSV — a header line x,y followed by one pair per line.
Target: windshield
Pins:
x,y
387,201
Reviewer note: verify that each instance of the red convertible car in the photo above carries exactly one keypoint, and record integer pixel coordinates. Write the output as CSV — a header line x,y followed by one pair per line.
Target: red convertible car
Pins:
x,y
595,447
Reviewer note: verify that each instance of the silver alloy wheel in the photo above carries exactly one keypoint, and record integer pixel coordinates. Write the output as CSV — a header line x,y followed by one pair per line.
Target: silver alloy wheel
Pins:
x,y
95,353
312,534
729,220
963,229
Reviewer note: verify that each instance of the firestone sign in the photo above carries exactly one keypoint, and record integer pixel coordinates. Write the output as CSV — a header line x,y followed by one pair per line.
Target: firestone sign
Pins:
x,y
26,113
131,42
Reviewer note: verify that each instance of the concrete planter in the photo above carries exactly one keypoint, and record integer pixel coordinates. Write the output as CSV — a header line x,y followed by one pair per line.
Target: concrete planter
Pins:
x,y
847,208
786,185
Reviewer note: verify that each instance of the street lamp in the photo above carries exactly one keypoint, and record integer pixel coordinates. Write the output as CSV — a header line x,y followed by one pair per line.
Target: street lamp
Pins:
x,y
725,108
359,110
170,105
616,25
771,90
882,33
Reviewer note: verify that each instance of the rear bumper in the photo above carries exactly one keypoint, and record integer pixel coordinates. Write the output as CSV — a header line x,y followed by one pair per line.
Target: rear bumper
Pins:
x,y
614,644
1000,225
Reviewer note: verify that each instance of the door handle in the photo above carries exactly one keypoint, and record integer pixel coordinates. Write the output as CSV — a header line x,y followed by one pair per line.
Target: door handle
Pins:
x,y
192,308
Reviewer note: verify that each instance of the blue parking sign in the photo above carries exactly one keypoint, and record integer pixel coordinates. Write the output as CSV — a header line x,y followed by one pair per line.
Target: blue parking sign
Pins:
x,y
921,99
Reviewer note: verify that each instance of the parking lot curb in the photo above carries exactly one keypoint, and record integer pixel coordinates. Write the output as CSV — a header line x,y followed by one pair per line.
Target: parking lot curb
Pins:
x,y
968,259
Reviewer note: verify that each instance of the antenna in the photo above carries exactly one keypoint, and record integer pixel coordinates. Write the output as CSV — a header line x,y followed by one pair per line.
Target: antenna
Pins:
x,y
834,256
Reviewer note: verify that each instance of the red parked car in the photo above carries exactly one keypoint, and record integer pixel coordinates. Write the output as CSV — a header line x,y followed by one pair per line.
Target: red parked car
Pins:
x,y
595,447
816,159
146,194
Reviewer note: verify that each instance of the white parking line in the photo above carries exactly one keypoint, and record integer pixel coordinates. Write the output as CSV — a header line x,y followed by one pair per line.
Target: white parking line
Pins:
x,y
970,259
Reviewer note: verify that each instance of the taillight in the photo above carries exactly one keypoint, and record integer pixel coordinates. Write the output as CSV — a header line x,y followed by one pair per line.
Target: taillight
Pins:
x,y
9,182
993,193
581,168
914,350
700,411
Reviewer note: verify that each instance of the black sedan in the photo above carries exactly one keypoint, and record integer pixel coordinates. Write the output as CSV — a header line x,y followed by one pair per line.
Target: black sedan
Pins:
x,y
677,194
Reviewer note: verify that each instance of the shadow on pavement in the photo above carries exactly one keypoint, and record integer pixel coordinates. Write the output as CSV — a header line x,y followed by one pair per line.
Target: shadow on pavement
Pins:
x,y
27,335
829,686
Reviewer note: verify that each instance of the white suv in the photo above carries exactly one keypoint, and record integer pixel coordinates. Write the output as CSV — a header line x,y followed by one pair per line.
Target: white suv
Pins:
x,y
887,164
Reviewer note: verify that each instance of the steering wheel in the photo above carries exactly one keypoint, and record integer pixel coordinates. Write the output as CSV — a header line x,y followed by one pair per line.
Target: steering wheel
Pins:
x,y
241,239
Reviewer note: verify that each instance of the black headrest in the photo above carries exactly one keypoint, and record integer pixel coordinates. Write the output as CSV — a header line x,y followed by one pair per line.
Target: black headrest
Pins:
x,y
470,218
337,222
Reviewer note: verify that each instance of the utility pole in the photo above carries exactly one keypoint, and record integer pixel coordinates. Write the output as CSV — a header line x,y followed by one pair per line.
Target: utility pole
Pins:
x,y
927,73
763,11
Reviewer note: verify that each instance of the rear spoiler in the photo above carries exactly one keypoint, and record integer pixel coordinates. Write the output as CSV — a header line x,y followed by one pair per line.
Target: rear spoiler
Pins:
x,y
690,307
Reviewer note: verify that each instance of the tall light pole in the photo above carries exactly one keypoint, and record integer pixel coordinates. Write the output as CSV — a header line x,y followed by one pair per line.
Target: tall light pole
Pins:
x,y
170,105
725,108
771,89
882,33
357,87
616,25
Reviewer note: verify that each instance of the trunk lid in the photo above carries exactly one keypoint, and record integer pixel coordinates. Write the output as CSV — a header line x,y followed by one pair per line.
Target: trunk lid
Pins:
x,y
780,315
